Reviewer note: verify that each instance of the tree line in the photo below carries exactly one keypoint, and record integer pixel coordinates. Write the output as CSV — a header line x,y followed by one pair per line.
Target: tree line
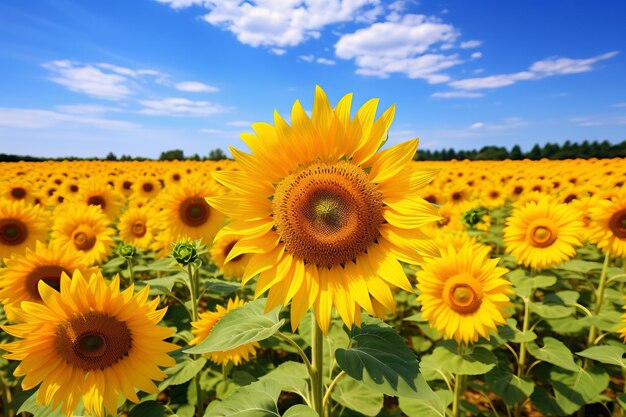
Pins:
x,y
567,150
171,155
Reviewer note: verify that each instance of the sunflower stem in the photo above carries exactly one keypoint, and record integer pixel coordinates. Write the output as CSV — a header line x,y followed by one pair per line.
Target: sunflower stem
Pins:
x,y
193,290
6,398
457,387
131,276
329,390
521,361
598,306
317,369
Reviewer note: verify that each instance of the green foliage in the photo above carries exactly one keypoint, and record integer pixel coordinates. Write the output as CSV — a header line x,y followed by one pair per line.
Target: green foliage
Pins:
x,y
476,361
258,399
554,352
358,397
147,408
508,386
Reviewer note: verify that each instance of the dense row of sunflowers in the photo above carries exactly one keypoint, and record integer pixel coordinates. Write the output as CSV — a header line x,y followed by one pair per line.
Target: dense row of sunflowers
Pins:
x,y
492,256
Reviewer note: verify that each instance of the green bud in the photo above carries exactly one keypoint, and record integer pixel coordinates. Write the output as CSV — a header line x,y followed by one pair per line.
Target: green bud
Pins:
x,y
184,253
474,216
126,250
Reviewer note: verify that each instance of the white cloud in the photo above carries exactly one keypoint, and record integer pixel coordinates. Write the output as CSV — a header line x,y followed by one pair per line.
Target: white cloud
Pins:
x,y
211,131
89,79
476,55
400,47
593,121
239,123
619,105
180,107
457,94
195,87
278,51
281,23
325,61
470,44
541,69
87,109
41,119
477,125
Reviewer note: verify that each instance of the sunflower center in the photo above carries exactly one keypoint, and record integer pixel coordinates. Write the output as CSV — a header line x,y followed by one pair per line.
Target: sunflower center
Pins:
x,y
494,194
463,293
456,196
617,224
12,232
328,214
147,187
84,238
93,341
50,274
139,228
126,185
518,190
74,188
96,200
194,211
542,236
18,193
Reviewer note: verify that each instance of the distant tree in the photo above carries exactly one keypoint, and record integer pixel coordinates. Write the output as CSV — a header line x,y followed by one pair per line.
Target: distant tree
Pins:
x,y
126,158
111,157
535,153
172,155
516,153
217,155
194,157
492,153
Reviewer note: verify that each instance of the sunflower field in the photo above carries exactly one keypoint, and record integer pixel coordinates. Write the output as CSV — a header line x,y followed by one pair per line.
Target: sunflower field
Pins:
x,y
320,273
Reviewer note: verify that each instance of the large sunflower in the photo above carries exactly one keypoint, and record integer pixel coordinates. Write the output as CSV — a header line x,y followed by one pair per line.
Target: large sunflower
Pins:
x,y
85,229
543,234
608,225
324,214
185,212
101,194
89,341
463,293
202,328
19,280
21,226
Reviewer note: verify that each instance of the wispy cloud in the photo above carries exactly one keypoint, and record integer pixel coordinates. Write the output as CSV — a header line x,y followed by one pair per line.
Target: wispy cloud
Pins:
x,y
195,87
594,121
239,123
457,94
470,44
174,106
87,109
541,69
41,119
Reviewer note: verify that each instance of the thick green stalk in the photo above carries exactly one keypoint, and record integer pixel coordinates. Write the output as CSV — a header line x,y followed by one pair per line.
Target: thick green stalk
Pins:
x,y
317,355
599,298
193,290
458,386
130,271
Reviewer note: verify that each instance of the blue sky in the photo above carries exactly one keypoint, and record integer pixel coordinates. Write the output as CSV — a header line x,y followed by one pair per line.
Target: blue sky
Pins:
x,y
139,77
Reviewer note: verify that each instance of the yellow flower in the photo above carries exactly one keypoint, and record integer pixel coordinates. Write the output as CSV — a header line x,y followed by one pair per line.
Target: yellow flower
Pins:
x,y
21,226
220,250
202,328
137,226
89,341
84,229
145,187
463,293
185,212
97,193
607,227
20,279
324,214
543,234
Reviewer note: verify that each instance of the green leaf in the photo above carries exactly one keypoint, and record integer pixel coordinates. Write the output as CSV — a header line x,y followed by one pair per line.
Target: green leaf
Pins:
x,y
357,396
335,338
427,403
554,352
185,410
578,265
240,326
478,361
255,400
611,355
524,284
182,371
545,402
511,388
161,265
551,311
160,286
575,389
290,377
621,399
379,358
147,408
300,410
31,406
219,286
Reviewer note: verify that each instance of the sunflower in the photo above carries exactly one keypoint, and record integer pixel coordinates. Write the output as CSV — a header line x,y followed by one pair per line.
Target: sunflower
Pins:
x,y
324,214
608,225
89,341
85,229
543,234
21,226
97,193
19,280
18,190
492,196
185,212
137,226
202,328
145,188
463,293
220,250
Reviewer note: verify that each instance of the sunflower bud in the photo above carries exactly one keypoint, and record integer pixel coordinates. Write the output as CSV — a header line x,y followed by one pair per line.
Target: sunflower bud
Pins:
x,y
474,216
184,253
126,250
